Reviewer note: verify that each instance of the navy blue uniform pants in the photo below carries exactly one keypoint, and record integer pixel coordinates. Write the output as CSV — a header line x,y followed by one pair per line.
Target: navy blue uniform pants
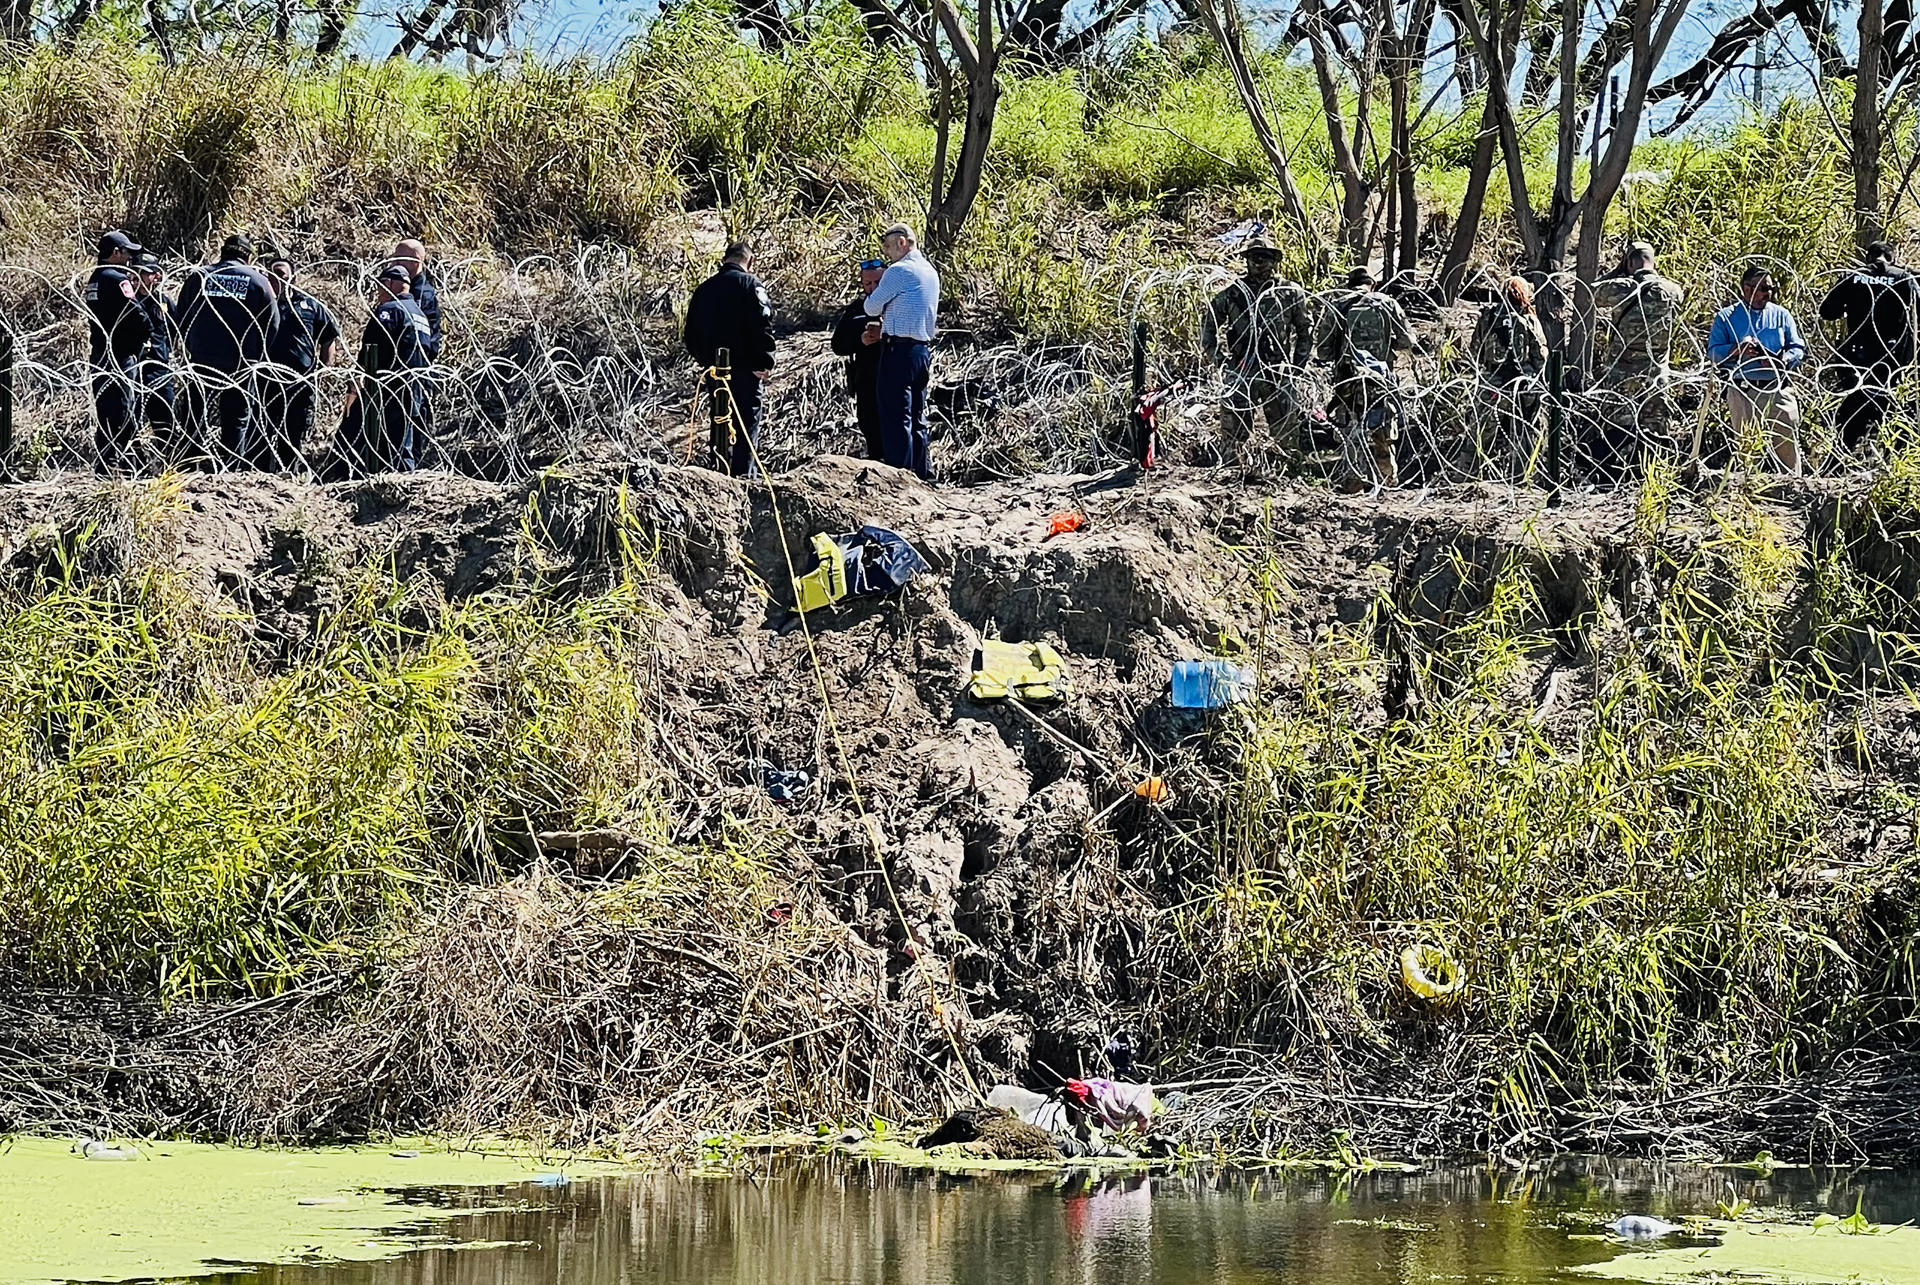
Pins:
x,y
287,406
116,406
745,428
905,365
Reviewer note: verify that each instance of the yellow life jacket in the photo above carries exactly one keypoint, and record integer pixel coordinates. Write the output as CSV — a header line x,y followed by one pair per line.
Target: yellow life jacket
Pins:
x,y
1032,672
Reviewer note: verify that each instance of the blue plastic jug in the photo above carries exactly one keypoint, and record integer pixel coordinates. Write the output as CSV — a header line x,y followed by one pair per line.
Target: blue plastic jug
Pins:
x,y
1209,684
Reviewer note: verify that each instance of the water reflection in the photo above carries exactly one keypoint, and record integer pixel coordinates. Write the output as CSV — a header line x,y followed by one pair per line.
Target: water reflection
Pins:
x,y
841,1222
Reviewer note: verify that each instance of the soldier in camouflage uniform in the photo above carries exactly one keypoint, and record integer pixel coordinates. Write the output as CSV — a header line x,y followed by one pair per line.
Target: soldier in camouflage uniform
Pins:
x,y
1259,331
1359,331
1510,350
1634,314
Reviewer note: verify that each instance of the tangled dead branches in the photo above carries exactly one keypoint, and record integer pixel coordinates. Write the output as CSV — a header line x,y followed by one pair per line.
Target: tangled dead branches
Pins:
x,y
543,1004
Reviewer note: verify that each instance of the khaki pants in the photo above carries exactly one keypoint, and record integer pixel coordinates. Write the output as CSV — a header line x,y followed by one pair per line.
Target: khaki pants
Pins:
x,y
1774,411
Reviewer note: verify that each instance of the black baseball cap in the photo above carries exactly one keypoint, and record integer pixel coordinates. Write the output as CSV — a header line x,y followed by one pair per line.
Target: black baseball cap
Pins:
x,y
237,246
1359,275
147,261
118,240
394,272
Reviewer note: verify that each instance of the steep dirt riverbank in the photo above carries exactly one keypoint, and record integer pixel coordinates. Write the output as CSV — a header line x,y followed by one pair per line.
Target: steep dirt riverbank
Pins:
x,y
968,890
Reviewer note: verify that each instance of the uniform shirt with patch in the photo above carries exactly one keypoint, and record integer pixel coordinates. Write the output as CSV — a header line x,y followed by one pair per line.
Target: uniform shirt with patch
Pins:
x,y
117,332
427,299
162,321
730,310
398,336
307,326
228,316
1880,310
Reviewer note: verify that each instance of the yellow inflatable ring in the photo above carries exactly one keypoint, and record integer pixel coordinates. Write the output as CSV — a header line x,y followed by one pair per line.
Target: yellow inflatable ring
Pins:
x,y
1431,973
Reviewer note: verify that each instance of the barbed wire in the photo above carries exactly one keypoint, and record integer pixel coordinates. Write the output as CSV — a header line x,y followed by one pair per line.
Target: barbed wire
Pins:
x,y
549,359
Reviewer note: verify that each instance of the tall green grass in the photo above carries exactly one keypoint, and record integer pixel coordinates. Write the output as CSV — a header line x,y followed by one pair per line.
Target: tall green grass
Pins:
x,y
1645,883
182,812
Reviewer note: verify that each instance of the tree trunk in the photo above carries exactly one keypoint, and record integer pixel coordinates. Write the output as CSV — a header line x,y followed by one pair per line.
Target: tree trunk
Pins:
x,y
1222,19
1500,106
1864,127
77,19
335,15
414,31
1355,190
980,60
1650,41
1560,212
1473,203
764,19
1411,55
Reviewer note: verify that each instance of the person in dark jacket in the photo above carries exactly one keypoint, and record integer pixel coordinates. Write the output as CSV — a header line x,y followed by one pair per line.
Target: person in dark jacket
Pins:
x,y
412,255
117,334
308,338
163,330
228,317
1879,304
856,336
730,311
383,427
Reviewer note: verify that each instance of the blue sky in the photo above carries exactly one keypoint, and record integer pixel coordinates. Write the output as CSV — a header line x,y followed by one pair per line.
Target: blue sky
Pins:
x,y
565,27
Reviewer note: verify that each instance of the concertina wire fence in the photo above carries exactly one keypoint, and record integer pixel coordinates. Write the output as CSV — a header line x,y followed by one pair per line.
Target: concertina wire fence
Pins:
x,y
547,360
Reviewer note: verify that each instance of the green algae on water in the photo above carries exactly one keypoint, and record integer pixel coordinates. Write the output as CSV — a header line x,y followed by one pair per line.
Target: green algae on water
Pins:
x,y
180,1206
1779,1255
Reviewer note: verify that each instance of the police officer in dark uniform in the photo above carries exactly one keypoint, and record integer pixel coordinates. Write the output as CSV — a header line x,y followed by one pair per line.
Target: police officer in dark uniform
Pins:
x,y
856,336
228,318
118,330
156,363
308,338
412,255
1878,305
730,310
385,418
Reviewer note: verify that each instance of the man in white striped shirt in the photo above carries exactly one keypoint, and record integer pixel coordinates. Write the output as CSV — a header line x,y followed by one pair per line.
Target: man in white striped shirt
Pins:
x,y
907,304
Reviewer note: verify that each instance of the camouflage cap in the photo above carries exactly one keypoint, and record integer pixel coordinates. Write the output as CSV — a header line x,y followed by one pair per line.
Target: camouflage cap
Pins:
x,y
1641,248
1260,246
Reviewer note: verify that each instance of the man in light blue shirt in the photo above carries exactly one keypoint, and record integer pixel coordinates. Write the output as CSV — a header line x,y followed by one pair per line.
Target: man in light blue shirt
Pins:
x,y
907,304
1756,343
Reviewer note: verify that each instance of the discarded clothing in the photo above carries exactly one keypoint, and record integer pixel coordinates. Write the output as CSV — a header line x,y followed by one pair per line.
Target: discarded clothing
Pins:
x,y
781,785
1114,1103
1063,523
1209,684
1235,237
872,560
1034,1108
1032,672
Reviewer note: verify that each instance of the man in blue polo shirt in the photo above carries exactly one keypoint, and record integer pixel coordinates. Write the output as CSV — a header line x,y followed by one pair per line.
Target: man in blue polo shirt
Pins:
x,y
907,302
1756,344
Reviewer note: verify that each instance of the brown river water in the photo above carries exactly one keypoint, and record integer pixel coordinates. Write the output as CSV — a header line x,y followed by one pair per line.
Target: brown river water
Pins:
x,y
864,1223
